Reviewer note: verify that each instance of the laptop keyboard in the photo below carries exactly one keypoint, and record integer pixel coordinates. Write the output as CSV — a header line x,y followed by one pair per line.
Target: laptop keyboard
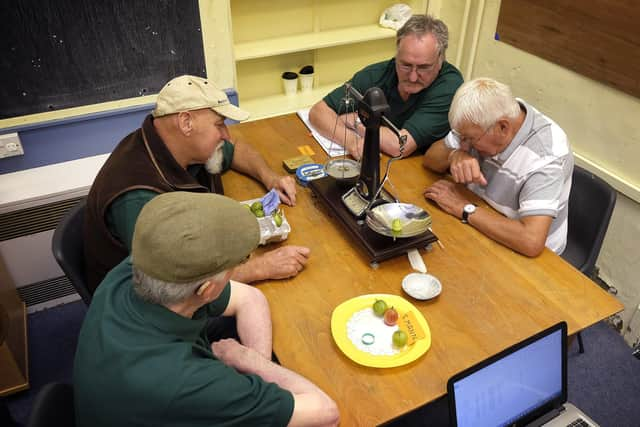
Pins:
x,y
578,423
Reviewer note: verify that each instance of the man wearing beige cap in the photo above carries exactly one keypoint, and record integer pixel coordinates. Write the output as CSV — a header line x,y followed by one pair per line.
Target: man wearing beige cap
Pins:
x,y
182,146
143,355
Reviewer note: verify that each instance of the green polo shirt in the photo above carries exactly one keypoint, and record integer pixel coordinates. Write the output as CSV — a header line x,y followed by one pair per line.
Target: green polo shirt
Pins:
x,y
123,212
140,364
424,115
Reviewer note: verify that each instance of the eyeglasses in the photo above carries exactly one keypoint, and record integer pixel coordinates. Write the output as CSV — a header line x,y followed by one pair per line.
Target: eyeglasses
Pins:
x,y
421,69
461,139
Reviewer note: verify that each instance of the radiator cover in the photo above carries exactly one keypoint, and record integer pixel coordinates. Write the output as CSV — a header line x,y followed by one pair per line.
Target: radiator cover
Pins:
x,y
25,245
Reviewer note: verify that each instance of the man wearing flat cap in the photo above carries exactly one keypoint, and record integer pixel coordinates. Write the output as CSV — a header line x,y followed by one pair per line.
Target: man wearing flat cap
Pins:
x,y
143,356
182,146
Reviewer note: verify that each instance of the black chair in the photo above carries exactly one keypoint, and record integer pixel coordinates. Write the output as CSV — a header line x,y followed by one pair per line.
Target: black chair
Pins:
x,y
68,249
53,406
591,204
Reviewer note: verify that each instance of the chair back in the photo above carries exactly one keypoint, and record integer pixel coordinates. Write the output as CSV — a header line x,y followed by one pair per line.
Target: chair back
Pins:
x,y
53,406
68,249
591,204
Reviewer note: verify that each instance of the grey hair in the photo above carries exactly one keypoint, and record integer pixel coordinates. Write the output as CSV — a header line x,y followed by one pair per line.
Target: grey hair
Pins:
x,y
420,25
165,293
482,101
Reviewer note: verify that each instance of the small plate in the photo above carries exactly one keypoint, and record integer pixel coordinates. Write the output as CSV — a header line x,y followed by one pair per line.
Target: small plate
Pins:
x,y
421,286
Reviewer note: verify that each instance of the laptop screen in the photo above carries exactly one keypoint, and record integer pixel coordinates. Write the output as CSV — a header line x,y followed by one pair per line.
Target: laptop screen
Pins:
x,y
515,386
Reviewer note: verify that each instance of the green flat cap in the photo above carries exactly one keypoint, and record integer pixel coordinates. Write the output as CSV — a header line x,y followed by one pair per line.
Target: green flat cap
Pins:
x,y
183,237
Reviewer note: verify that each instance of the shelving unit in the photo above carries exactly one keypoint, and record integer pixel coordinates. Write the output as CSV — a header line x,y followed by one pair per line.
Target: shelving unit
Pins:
x,y
321,39
275,105
336,37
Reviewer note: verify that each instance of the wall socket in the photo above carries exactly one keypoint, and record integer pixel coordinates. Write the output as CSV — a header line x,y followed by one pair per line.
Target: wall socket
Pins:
x,y
10,145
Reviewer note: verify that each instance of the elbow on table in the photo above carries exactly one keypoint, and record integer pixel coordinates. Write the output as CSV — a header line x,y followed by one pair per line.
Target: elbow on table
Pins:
x,y
532,248
332,414
314,409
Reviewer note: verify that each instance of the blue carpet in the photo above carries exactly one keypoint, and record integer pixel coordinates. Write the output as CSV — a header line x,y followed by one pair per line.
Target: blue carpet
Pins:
x,y
604,381
52,337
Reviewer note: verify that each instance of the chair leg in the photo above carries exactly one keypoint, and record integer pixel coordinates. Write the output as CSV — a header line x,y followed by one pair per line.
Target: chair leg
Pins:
x,y
580,344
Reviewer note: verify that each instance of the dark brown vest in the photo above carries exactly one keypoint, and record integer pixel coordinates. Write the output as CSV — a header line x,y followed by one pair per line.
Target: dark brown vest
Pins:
x,y
140,161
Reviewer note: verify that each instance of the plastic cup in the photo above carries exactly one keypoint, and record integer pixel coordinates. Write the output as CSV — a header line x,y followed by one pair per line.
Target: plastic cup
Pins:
x,y
290,83
306,82
306,78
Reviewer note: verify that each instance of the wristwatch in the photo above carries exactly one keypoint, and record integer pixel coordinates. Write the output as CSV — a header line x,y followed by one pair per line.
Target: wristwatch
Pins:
x,y
468,210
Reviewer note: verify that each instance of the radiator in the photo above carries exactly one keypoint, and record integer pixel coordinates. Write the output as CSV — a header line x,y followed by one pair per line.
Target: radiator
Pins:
x,y
32,203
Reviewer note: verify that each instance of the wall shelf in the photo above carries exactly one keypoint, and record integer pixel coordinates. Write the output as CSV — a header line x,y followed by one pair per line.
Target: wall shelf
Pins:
x,y
337,38
316,40
275,105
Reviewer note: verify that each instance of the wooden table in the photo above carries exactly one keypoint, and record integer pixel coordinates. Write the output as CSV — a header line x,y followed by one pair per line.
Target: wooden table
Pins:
x,y
492,297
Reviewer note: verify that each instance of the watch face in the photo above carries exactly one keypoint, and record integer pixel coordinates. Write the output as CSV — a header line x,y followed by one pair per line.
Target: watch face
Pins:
x,y
469,208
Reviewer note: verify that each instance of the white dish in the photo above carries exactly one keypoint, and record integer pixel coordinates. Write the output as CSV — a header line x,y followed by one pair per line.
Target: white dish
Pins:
x,y
421,286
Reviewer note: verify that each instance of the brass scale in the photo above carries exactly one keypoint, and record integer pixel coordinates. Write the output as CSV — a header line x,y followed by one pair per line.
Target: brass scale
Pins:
x,y
352,207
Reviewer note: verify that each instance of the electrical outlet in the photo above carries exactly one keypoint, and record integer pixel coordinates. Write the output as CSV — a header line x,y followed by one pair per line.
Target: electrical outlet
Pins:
x,y
10,145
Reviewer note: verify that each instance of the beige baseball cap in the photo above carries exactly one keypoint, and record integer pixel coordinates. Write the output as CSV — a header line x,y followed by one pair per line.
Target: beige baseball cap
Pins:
x,y
187,93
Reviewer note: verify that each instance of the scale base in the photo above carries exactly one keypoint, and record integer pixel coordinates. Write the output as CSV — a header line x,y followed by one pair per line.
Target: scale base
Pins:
x,y
377,247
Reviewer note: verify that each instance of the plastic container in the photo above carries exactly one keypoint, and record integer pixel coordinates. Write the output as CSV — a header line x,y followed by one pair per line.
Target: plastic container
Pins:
x,y
269,231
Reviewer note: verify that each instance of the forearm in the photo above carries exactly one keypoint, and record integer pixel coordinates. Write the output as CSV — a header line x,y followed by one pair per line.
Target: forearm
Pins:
x,y
249,271
527,239
437,157
253,318
248,161
313,407
390,144
329,125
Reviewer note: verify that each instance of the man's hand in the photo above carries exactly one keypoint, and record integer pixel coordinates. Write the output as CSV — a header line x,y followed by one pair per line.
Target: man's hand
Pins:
x,y
281,263
286,188
448,196
352,122
465,168
355,148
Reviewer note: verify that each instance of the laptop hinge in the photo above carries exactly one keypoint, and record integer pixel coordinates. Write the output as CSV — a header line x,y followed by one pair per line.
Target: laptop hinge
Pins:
x,y
546,417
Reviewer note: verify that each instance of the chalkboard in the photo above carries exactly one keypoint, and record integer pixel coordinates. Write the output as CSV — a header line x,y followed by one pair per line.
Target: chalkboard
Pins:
x,y
66,53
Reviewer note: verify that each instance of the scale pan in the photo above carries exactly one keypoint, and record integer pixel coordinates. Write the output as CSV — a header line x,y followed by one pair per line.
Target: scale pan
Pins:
x,y
413,219
345,171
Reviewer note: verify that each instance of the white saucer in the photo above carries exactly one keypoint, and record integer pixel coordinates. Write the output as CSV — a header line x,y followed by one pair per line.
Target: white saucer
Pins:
x,y
421,286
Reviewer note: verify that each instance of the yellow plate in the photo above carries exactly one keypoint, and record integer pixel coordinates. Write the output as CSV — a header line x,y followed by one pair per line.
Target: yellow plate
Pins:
x,y
342,313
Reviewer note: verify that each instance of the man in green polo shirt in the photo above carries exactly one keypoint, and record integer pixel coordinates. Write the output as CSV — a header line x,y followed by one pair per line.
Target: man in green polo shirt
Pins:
x,y
418,83
143,356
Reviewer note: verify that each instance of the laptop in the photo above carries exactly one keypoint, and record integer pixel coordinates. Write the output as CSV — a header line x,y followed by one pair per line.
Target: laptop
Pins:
x,y
524,385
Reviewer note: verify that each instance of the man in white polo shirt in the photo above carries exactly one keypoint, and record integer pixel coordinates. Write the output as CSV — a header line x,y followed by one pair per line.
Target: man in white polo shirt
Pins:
x,y
512,156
